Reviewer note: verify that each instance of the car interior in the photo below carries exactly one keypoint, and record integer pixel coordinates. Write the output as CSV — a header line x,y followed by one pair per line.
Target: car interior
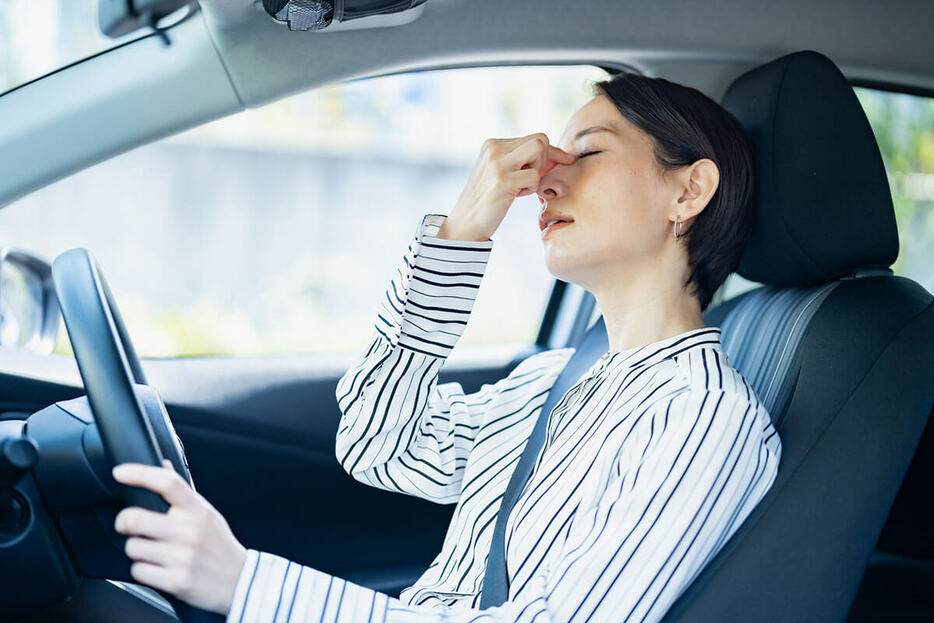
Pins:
x,y
837,346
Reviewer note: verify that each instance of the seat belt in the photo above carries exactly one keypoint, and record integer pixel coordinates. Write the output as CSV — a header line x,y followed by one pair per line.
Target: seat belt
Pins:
x,y
495,581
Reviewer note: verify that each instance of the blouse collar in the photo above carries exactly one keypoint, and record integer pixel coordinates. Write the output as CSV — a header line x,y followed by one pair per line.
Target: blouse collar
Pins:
x,y
648,354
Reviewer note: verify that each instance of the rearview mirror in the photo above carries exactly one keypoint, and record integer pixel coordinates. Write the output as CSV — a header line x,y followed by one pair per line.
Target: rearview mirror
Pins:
x,y
121,17
29,313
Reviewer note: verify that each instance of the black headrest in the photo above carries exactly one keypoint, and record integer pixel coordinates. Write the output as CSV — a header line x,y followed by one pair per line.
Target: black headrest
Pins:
x,y
822,200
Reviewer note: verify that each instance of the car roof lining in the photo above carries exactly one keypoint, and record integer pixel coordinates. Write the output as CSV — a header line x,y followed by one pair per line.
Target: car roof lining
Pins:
x,y
683,42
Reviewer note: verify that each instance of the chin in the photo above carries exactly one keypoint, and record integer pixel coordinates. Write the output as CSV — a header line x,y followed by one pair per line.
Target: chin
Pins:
x,y
562,268
581,265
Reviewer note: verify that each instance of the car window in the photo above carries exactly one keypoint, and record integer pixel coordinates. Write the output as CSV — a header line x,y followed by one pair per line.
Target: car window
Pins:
x,y
277,229
903,125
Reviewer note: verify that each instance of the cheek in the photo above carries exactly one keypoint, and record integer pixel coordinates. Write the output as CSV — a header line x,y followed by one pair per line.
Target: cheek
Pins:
x,y
623,209
616,183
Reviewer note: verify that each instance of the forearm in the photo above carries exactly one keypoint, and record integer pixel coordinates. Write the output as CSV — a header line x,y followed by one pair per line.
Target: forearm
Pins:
x,y
274,589
398,431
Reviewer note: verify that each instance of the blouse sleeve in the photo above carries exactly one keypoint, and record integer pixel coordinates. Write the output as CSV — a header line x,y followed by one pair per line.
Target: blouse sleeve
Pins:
x,y
399,429
668,508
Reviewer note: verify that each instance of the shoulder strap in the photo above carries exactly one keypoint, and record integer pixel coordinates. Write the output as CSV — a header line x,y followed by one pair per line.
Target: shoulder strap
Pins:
x,y
495,581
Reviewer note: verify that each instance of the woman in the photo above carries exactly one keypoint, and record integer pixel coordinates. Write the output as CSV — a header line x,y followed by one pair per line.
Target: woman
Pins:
x,y
652,460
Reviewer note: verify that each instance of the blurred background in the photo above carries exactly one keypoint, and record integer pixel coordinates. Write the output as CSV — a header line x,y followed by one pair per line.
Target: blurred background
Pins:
x,y
277,229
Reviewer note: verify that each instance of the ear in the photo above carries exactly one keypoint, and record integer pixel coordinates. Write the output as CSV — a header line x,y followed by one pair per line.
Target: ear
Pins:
x,y
699,182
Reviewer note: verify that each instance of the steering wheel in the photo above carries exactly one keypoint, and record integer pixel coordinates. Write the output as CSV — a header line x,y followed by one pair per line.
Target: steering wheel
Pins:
x,y
109,367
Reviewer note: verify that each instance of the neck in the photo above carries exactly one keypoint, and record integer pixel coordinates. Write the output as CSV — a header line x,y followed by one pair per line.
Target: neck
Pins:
x,y
645,306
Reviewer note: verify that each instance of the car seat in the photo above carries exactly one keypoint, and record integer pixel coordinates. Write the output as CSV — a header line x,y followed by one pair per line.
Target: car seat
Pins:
x,y
837,347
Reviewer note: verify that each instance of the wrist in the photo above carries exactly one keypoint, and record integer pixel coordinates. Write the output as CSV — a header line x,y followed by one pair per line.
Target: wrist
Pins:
x,y
448,231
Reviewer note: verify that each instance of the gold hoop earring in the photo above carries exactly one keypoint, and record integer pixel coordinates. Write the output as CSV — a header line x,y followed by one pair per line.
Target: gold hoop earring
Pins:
x,y
678,225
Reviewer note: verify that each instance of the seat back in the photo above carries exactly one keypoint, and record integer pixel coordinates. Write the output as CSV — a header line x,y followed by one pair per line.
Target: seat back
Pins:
x,y
858,393
837,347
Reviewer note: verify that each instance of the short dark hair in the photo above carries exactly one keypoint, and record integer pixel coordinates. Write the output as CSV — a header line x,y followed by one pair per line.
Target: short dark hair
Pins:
x,y
686,126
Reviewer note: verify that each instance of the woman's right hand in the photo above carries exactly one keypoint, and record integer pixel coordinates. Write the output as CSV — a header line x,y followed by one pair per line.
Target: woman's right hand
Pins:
x,y
506,168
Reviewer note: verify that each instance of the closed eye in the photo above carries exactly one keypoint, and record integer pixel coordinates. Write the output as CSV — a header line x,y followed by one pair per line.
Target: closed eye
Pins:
x,y
588,154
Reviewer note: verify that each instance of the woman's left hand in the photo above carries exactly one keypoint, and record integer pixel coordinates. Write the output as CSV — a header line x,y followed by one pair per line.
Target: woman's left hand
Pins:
x,y
189,551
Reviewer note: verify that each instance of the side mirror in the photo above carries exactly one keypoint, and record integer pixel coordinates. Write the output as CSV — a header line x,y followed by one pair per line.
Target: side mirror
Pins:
x,y
29,313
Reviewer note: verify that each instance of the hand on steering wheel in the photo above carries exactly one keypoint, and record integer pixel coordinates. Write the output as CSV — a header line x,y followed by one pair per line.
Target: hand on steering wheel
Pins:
x,y
188,551
110,369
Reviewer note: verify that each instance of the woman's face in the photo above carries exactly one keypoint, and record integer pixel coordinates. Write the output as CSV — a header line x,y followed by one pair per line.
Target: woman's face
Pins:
x,y
616,196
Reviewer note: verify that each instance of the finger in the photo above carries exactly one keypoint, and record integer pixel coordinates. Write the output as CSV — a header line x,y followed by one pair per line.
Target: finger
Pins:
x,y
165,482
555,156
545,159
156,576
560,156
151,550
542,161
526,181
530,153
143,522
536,138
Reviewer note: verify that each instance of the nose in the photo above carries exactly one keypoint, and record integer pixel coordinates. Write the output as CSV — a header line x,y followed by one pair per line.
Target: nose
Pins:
x,y
553,184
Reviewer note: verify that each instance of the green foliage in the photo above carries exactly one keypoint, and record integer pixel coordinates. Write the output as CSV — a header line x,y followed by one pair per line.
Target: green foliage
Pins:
x,y
904,129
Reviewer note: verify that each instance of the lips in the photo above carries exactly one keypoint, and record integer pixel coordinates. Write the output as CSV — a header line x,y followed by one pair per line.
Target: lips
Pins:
x,y
554,225
547,217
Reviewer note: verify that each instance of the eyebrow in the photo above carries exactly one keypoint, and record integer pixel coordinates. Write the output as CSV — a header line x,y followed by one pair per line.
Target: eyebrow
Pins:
x,y
596,128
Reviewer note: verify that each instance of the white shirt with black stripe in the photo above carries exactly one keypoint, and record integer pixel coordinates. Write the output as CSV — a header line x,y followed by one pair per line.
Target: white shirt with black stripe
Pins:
x,y
652,460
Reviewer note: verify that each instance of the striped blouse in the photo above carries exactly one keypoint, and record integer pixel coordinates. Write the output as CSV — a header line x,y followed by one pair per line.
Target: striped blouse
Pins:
x,y
651,461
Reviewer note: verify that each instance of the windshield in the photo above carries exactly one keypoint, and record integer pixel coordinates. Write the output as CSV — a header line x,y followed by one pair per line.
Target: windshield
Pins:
x,y
40,36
